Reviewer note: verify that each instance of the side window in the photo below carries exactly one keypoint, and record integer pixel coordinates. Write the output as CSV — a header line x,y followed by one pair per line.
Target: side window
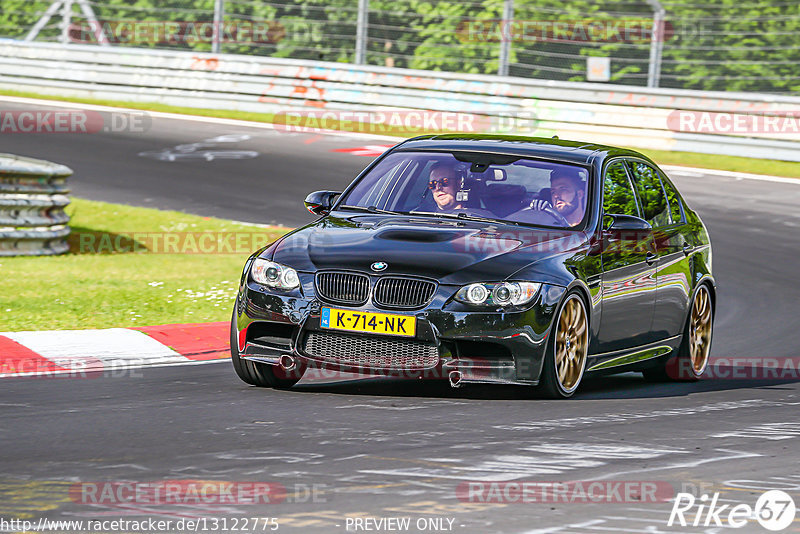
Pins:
x,y
369,192
674,200
618,197
406,193
648,186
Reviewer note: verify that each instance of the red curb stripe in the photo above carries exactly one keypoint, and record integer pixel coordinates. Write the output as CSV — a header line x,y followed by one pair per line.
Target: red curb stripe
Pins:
x,y
16,358
207,341
371,151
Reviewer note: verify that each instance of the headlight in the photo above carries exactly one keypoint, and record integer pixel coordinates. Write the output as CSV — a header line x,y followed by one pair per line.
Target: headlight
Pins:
x,y
275,275
498,293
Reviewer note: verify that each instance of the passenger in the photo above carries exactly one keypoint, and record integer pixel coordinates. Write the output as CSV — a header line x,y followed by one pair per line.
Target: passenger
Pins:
x,y
447,190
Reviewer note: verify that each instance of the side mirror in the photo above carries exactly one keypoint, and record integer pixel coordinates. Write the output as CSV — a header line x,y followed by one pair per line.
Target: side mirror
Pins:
x,y
620,223
320,202
625,233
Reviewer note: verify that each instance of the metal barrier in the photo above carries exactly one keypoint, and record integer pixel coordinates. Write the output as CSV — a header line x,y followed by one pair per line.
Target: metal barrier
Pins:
x,y
33,195
617,115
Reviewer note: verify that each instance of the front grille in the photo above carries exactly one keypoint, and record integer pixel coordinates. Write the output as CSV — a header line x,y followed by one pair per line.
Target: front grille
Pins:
x,y
373,352
348,288
403,292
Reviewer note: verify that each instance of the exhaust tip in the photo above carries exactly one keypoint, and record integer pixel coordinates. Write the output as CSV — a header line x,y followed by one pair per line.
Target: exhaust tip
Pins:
x,y
287,363
455,378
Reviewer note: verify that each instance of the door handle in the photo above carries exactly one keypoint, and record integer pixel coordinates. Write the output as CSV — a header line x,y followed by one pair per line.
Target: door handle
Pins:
x,y
650,258
687,248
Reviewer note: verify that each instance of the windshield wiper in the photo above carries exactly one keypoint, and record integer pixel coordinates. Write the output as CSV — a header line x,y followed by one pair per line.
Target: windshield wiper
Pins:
x,y
459,216
369,209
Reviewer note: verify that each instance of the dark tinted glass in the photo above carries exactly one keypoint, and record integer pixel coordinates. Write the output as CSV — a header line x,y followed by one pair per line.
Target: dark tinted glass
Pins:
x,y
618,197
651,194
674,201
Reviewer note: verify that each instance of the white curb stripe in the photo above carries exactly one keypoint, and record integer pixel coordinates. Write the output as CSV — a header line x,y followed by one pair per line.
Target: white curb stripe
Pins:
x,y
696,171
89,350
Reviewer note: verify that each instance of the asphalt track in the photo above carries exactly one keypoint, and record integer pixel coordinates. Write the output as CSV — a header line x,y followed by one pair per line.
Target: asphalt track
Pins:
x,y
400,448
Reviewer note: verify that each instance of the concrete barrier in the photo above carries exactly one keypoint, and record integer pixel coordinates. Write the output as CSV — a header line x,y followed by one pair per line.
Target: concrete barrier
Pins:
x,y
628,116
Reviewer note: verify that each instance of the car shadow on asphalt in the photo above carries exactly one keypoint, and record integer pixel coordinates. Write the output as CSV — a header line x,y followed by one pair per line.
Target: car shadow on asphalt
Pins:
x,y
633,386
609,387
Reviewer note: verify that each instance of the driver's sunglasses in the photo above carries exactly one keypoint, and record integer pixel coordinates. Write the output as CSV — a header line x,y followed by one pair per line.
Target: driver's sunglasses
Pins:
x,y
442,182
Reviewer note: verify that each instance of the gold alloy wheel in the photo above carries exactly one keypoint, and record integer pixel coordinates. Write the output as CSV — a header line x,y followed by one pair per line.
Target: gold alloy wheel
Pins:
x,y
572,341
700,331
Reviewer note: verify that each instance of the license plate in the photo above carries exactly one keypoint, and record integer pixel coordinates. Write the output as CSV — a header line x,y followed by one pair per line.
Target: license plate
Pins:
x,y
373,323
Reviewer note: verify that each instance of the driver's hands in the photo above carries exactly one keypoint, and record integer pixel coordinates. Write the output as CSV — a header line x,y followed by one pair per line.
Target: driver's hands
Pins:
x,y
540,205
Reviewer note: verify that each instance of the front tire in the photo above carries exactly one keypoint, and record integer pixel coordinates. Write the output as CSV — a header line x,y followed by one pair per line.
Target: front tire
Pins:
x,y
691,357
566,354
260,374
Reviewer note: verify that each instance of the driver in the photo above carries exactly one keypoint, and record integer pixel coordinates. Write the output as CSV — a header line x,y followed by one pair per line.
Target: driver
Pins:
x,y
443,185
567,197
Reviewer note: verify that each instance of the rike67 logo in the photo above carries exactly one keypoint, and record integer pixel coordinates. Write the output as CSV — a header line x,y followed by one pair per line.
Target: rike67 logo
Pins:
x,y
774,510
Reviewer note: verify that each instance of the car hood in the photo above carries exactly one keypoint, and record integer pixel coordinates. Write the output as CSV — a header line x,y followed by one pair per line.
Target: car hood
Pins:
x,y
450,251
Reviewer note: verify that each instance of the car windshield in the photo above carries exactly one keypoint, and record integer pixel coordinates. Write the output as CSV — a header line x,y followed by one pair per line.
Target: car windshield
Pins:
x,y
473,185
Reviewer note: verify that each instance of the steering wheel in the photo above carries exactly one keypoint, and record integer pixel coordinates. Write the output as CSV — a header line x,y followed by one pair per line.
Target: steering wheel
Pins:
x,y
551,211
557,216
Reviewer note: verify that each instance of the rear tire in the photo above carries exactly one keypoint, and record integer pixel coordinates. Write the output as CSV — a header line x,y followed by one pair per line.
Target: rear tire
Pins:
x,y
689,361
566,354
261,374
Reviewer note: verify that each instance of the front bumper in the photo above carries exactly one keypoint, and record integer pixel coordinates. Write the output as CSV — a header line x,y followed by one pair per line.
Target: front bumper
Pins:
x,y
484,346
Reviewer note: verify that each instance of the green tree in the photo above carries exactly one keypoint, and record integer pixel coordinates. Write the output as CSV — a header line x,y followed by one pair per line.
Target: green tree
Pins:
x,y
729,45
726,45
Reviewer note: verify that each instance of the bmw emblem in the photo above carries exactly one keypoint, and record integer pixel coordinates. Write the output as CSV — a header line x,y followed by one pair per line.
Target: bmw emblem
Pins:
x,y
379,266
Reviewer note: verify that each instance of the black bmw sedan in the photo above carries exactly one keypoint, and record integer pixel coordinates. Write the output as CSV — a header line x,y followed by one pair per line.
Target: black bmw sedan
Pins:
x,y
481,258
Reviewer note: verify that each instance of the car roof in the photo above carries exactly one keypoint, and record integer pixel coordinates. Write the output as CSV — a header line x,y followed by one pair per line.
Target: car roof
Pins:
x,y
542,147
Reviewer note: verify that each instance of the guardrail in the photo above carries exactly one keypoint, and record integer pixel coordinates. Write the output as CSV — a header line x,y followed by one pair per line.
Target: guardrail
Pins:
x,y
617,115
33,195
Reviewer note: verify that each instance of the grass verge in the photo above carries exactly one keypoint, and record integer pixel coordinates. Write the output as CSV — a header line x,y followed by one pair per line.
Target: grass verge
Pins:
x,y
130,267
690,159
